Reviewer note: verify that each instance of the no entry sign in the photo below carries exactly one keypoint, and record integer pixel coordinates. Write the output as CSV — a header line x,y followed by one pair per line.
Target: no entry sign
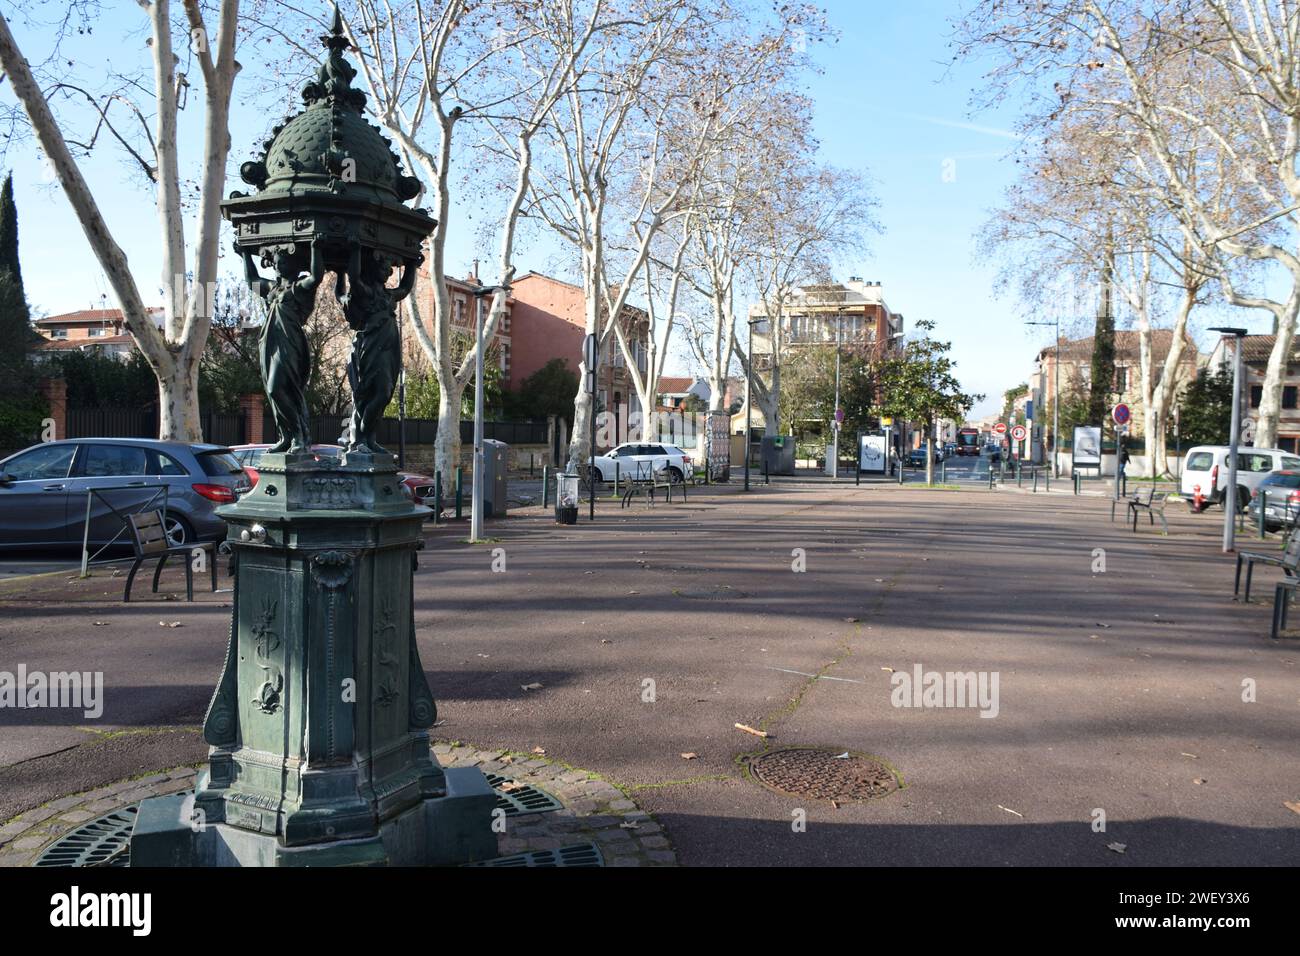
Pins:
x,y
1000,428
1019,432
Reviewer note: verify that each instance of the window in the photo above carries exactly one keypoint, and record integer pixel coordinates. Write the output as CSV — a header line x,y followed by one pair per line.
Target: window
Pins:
x,y
1288,396
58,333
1256,394
161,463
1291,464
1201,461
1121,380
41,464
217,463
97,333
1255,463
114,461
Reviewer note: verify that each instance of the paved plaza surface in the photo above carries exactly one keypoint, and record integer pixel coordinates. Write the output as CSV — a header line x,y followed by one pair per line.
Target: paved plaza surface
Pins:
x,y
654,631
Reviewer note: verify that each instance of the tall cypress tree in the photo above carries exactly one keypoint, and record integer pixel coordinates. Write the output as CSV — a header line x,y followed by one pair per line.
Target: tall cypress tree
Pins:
x,y
15,318
1103,346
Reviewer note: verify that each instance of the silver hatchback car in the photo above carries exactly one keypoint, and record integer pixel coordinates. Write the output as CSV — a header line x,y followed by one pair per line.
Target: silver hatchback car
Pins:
x,y
50,494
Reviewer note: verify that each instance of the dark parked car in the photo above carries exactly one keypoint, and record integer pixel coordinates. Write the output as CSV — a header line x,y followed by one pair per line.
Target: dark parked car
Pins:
x,y
1281,492
44,490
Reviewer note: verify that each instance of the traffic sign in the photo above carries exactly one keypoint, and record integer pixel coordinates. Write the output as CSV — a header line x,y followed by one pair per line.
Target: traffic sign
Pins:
x,y
1019,432
1121,414
1000,428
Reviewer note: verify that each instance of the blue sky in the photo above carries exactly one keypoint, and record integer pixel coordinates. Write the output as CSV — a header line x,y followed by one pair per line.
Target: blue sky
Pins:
x,y
887,101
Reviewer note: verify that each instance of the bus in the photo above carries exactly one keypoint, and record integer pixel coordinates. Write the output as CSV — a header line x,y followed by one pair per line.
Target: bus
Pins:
x,y
968,441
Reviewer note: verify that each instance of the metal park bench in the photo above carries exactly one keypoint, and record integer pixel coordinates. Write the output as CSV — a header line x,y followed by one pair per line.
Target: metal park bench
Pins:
x,y
1288,559
149,539
648,481
1146,499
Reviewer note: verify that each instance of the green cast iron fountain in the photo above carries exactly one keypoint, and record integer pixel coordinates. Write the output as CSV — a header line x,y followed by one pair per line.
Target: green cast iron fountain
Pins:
x,y
319,724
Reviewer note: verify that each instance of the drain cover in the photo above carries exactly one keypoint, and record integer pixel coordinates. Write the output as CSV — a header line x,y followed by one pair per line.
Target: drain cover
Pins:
x,y
104,841
521,799
578,855
823,774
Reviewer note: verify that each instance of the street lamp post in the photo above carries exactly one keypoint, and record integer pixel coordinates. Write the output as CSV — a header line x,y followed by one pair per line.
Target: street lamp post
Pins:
x,y
1230,502
835,415
1056,397
749,399
476,491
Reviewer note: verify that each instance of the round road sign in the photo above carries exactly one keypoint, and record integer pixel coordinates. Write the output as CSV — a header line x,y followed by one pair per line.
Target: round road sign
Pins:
x,y
1121,414
1000,428
1019,432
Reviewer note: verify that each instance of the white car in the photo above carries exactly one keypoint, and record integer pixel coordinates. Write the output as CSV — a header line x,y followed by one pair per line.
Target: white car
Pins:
x,y
1205,470
637,461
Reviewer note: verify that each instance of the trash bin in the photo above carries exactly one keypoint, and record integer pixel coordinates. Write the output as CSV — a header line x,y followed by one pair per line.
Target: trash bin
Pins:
x,y
496,458
778,454
566,499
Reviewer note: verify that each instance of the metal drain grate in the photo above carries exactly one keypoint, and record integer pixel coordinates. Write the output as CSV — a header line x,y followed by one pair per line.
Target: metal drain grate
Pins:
x,y
578,855
523,799
104,841
823,774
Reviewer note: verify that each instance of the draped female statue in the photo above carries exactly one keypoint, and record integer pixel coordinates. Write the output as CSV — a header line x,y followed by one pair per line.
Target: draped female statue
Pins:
x,y
283,351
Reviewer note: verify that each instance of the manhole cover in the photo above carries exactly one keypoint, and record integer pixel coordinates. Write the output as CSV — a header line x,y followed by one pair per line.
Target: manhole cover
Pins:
x,y
823,774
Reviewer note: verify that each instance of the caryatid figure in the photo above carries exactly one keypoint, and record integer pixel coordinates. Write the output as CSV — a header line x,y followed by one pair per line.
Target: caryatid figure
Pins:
x,y
376,363
283,351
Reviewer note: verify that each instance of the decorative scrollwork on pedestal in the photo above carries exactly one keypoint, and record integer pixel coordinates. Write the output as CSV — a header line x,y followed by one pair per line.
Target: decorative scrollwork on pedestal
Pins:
x,y
267,640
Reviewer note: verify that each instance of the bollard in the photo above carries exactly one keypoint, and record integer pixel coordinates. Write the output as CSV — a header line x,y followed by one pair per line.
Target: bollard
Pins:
x,y
546,474
1019,476
615,492
1047,480
437,496
531,463
766,479
459,498
857,474
990,476
900,471
1035,471
1262,495
943,472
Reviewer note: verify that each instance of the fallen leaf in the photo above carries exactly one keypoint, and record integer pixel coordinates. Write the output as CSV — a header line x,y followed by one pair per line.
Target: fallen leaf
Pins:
x,y
1099,624
99,624
843,756
1292,805
540,751
630,825
890,669
750,730
835,804
1009,810
1193,756
1199,780
851,620
532,686
605,640
1117,847
690,756
172,624
510,786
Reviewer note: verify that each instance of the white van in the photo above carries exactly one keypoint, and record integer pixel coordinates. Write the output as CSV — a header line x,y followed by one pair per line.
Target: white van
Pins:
x,y
1206,468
